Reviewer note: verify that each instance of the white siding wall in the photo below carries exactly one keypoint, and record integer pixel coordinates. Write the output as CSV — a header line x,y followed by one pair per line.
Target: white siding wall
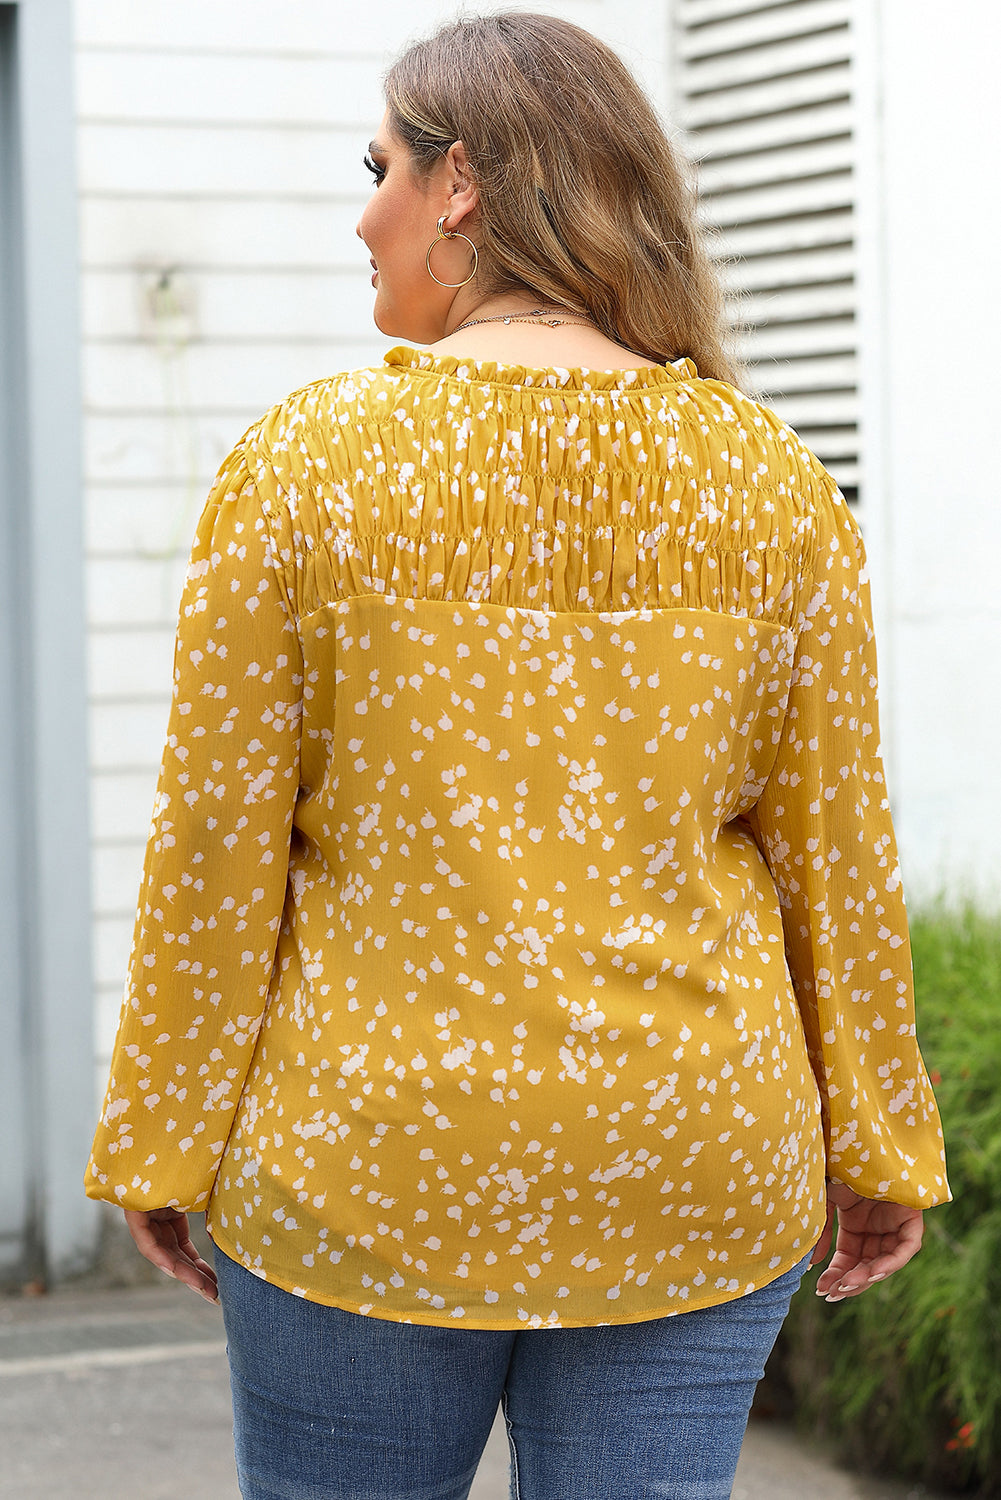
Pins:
x,y
220,178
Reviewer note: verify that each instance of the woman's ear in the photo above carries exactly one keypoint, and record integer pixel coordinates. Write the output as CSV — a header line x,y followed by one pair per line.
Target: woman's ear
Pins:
x,y
463,194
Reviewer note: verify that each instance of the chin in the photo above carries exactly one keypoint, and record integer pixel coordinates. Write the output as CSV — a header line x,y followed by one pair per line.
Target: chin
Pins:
x,y
389,322
394,325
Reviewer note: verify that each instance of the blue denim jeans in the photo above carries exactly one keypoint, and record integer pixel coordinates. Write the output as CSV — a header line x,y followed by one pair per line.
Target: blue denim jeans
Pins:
x,y
332,1404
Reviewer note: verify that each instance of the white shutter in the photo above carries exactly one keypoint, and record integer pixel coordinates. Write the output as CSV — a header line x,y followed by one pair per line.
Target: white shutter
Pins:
x,y
764,94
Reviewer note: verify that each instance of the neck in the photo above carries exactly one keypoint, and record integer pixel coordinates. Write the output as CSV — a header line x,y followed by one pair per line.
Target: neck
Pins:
x,y
501,305
536,344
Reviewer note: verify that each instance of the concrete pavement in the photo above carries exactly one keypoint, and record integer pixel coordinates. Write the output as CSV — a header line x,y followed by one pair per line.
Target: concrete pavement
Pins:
x,y
124,1393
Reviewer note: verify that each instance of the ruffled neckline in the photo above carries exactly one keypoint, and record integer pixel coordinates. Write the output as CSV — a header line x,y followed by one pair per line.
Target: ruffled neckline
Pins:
x,y
491,372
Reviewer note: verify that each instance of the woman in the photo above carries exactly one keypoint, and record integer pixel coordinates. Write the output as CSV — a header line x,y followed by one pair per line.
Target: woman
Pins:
x,y
521,941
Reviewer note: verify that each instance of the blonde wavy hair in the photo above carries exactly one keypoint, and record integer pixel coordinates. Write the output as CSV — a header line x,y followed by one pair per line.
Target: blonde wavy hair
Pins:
x,y
583,200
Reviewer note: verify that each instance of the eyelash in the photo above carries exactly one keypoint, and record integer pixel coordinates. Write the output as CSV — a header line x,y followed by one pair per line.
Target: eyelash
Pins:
x,y
377,172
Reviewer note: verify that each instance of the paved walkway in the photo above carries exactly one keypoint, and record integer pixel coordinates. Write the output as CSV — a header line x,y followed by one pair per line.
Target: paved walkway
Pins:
x,y
107,1394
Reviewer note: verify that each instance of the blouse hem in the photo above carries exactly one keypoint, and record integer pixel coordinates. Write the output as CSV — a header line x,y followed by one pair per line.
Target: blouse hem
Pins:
x,y
481,1325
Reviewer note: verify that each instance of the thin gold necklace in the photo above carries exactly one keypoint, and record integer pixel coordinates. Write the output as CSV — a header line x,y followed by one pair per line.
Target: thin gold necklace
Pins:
x,y
536,315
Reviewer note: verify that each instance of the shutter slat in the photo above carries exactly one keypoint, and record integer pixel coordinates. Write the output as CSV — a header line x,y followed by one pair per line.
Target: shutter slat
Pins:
x,y
730,33
695,14
796,340
812,159
781,201
837,372
837,453
759,64
771,97
772,272
779,236
847,474
821,412
798,304
790,128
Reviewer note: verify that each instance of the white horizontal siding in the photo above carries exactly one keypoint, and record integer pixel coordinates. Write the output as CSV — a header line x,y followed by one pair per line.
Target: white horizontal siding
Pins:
x,y
126,377
223,233
160,87
128,735
246,26
122,802
234,305
116,872
113,938
126,666
287,27
152,520
147,160
219,154
107,1008
165,446
129,592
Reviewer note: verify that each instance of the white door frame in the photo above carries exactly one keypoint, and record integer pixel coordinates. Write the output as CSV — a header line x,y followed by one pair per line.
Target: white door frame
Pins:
x,y
47,1227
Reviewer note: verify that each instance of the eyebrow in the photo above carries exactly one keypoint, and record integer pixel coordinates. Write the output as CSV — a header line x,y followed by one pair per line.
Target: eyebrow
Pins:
x,y
374,146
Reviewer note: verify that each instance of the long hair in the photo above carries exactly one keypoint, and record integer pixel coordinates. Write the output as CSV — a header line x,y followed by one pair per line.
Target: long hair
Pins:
x,y
583,201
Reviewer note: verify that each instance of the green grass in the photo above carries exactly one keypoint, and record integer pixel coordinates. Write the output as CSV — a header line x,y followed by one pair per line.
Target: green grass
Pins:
x,y
907,1378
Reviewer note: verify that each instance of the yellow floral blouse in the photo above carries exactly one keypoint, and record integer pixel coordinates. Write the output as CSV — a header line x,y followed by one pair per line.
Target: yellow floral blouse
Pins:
x,y
521,935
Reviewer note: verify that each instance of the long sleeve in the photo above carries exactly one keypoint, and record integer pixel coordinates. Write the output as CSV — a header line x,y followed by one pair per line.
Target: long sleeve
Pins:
x,y
216,866
823,824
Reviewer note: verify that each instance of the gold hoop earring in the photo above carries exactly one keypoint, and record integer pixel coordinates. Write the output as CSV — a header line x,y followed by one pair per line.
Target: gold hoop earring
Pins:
x,y
453,234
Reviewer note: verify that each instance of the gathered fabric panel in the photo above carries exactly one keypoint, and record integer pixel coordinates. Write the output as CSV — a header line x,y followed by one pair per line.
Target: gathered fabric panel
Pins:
x,y
515,507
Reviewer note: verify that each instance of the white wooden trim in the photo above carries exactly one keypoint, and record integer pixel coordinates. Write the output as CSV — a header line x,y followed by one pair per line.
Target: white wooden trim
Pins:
x,y
51,789
872,281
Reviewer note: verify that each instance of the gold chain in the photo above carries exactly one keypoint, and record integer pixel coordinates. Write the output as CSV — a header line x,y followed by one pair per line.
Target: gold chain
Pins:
x,y
537,315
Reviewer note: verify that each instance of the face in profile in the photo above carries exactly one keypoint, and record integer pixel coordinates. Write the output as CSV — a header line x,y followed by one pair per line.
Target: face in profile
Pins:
x,y
399,223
